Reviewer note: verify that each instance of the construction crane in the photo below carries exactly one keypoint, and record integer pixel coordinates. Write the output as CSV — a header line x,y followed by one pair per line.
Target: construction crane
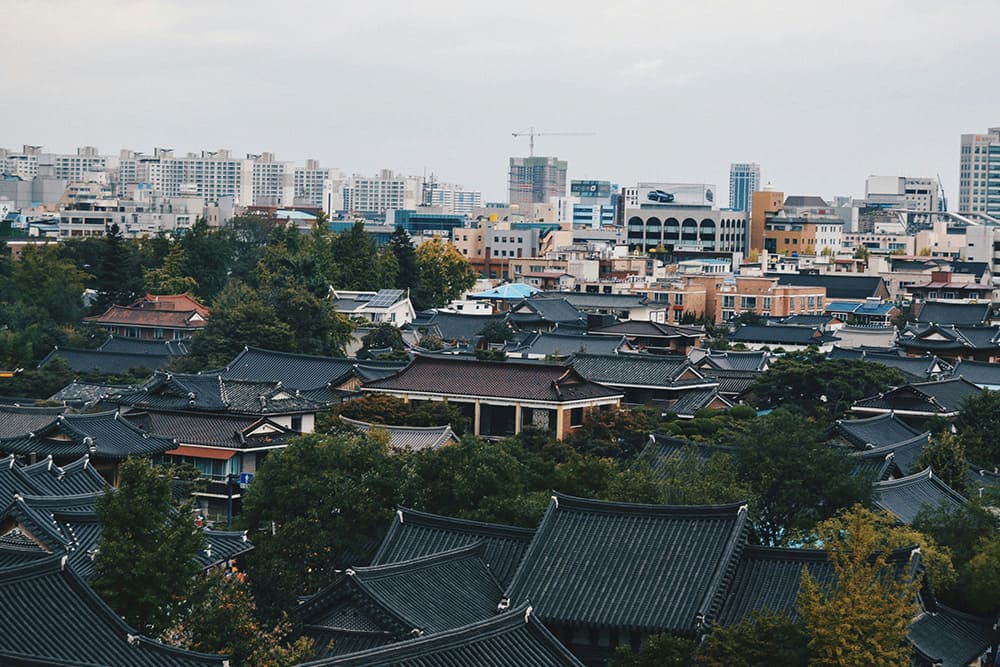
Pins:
x,y
531,134
943,201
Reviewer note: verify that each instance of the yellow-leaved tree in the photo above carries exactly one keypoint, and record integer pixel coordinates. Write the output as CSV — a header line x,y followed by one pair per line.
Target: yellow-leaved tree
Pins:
x,y
860,619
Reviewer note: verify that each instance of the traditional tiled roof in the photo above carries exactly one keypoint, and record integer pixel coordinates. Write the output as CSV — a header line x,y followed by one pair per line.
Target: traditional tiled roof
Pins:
x,y
173,348
17,420
145,317
212,430
646,329
631,567
510,380
453,327
102,435
413,534
906,496
878,431
779,334
903,456
949,638
944,397
548,309
424,595
86,393
616,302
948,338
170,391
663,448
979,373
732,383
555,344
410,438
78,477
99,362
808,320
917,368
513,639
769,579
732,360
962,314
854,288
689,402
222,546
300,371
654,371
51,617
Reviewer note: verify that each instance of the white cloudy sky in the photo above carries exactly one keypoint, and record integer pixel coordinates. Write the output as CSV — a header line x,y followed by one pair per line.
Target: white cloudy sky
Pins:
x,y
820,93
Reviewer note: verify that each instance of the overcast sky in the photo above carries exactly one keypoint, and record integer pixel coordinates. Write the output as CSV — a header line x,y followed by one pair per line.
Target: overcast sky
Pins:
x,y
820,94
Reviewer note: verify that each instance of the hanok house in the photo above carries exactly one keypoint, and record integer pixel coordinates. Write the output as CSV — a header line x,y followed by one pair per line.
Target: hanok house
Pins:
x,y
655,337
155,317
951,342
918,401
106,437
501,398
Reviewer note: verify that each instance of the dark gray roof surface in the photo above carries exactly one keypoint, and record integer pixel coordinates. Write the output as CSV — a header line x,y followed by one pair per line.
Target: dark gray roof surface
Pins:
x,y
854,288
769,579
879,430
100,362
86,393
513,639
732,383
689,402
299,371
210,429
646,329
17,420
947,338
471,377
906,496
643,568
170,391
950,638
778,335
588,300
110,434
78,477
173,348
51,616
941,397
808,320
917,368
413,534
560,344
633,370
410,438
967,314
663,448
735,360
980,373
904,453
546,308
453,327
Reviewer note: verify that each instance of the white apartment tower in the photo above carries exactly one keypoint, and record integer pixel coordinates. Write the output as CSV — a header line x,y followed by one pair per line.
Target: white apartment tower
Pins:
x,y
273,181
377,194
979,173
451,198
319,187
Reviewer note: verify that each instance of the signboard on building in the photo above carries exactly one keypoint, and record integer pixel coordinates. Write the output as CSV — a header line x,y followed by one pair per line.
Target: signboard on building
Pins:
x,y
678,194
596,189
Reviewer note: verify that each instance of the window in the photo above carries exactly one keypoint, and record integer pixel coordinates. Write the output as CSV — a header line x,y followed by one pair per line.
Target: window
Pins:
x,y
748,303
767,303
728,301
576,417
678,299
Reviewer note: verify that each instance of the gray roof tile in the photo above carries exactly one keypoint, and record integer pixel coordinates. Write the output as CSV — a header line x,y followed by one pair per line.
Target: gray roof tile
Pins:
x,y
906,496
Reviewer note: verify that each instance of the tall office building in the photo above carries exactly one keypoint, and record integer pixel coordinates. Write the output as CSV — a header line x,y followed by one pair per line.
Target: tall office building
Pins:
x,y
744,180
535,180
979,173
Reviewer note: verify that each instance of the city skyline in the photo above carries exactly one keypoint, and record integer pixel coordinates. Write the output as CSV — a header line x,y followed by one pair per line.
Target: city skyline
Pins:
x,y
671,93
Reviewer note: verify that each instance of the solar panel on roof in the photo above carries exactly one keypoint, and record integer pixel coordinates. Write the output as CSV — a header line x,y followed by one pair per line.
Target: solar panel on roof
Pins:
x,y
385,298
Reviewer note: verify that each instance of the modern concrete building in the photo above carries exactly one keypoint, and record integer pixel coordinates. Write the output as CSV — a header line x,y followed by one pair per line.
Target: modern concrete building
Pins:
x,y
681,227
386,190
535,180
913,193
451,198
319,187
979,173
744,180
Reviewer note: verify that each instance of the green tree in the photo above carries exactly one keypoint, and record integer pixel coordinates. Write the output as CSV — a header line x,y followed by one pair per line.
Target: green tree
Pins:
x,y
325,501
171,277
814,385
118,275
145,565
408,271
384,335
861,618
765,638
981,577
209,256
444,274
53,285
224,621
945,455
239,318
978,424
795,477
657,651
620,434
497,331
250,235
356,253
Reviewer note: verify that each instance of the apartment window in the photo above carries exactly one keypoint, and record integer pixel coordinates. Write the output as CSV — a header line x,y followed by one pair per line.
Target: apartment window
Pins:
x,y
728,301
748,303
767,303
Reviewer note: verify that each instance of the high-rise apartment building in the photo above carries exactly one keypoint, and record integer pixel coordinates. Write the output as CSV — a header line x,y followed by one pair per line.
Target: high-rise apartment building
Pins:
x,y
211,175
377,194
273,181
979,173
320,187
535,180
744,180
77,167
451,198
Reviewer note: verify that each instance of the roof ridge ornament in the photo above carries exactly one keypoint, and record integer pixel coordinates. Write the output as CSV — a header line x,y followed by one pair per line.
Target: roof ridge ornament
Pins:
x,y
399,515
527,613
504,604
745,507
555,499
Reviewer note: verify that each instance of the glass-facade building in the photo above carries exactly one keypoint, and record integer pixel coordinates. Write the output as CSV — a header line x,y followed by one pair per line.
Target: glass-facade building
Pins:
x,y
744,179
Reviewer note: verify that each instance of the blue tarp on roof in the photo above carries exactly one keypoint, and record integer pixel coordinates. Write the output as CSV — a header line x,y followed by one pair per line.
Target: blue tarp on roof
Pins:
x,y
513,291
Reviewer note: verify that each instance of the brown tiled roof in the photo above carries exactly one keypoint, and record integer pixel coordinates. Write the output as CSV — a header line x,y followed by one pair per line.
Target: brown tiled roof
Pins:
x,y
183,302
497,379
144,317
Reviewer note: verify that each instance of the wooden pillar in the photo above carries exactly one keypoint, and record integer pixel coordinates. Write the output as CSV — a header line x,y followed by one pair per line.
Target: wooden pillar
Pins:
x,y
475,425
517,419
560,423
